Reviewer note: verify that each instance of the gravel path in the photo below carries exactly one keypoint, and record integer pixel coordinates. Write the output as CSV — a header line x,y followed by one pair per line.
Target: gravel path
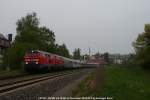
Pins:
x,y
56,87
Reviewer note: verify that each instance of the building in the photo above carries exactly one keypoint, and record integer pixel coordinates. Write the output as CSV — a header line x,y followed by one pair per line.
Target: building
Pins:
x,y
118,58
97,60
4,44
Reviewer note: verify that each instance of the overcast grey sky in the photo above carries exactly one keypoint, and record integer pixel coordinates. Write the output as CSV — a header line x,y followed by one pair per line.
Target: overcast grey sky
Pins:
x,y
102,25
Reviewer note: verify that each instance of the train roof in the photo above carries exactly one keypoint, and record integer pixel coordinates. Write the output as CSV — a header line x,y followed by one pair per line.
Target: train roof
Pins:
x,y
65,58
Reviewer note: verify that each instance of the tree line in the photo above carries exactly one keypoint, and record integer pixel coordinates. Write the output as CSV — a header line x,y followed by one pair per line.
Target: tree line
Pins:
x,y
31,36
142,48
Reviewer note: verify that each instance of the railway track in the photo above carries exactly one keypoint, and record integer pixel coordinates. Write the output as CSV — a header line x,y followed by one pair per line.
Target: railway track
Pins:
x,y
10,87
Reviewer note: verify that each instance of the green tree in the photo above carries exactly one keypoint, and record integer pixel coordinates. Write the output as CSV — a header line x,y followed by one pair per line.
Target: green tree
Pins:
x,y
13,57
97,55
28,29
77,54
142,48
47,38
62,50
29,37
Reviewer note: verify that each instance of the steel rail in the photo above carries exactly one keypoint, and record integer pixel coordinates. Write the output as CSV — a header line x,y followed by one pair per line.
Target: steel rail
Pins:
x,y
24,83
30,78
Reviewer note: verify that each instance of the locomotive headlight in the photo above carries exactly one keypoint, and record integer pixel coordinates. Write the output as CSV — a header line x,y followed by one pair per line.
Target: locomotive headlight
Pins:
x,y
26,62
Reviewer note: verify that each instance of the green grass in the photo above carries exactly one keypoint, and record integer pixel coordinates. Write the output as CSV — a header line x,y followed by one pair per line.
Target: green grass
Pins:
x,y
88,86
83,88
12,73
120,83
126,83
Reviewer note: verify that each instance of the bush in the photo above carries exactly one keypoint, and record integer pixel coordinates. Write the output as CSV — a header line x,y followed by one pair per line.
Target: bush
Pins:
x,y
13,57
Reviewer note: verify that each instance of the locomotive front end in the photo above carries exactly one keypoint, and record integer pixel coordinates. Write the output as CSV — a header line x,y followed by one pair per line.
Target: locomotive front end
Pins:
x,y
32,61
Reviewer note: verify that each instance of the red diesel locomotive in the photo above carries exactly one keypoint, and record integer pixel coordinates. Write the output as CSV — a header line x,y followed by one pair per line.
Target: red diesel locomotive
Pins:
x,y
39,60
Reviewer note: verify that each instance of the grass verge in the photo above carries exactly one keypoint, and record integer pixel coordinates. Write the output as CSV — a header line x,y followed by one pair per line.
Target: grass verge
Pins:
x,y
90,85
12,73
119,82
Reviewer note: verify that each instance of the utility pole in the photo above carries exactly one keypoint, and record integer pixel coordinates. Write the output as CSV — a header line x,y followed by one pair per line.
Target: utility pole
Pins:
x,y
89,52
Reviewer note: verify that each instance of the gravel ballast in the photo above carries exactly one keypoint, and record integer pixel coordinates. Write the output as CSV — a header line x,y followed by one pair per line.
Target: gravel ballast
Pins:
x,y
55,87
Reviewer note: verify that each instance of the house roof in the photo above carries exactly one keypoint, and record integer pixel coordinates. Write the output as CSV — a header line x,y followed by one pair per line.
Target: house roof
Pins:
x,y
2,36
